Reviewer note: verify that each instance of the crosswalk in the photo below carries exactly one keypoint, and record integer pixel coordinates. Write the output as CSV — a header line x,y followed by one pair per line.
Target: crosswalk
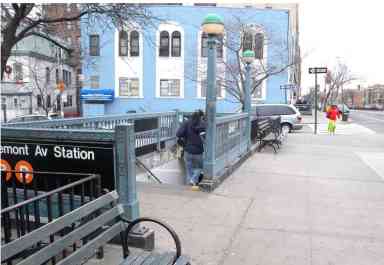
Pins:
x,y
344,129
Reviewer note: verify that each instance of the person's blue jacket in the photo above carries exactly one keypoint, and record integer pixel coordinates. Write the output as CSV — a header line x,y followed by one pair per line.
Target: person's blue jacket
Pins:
x,y
191,134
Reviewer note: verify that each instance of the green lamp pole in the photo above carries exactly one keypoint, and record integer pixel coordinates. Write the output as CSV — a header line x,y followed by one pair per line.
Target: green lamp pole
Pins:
x,y
213,26
248,58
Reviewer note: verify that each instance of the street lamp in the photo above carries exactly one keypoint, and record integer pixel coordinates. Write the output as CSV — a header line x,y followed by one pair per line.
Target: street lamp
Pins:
x,y
213,26
248,58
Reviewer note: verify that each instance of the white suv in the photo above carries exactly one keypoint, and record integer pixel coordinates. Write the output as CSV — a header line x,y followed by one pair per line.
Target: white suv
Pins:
x,y
290,115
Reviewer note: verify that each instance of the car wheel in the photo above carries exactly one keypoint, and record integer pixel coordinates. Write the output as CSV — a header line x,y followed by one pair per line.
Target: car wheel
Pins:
x,y
286,128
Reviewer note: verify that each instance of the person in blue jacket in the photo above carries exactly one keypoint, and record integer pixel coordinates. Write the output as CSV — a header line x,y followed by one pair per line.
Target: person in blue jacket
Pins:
x,y
189,132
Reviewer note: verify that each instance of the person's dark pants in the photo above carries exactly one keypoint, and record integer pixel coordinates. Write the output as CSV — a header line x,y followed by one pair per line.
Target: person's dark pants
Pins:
x,y
193,167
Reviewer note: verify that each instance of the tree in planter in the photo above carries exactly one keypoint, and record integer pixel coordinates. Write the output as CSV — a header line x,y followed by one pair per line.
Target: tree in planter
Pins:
x,y
230,67
18,21
336,79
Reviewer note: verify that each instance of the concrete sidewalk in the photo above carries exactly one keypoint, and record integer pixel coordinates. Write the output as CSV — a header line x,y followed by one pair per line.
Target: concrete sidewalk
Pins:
x,y
319,201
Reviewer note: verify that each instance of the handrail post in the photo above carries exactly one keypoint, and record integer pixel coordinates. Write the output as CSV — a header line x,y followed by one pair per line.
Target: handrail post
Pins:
x,y
126,170
247,103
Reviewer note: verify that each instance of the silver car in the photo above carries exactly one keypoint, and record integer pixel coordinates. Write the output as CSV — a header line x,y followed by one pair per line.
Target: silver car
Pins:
x,y
290,116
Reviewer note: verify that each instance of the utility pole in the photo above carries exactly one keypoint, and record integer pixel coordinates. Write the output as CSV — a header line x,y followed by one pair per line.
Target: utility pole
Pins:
x,y
317,70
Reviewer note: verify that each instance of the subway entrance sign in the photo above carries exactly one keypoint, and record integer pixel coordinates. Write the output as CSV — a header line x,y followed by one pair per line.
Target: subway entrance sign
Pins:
x,y
69,157
318,70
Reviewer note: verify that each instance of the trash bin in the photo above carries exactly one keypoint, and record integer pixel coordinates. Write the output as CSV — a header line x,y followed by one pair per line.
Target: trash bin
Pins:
x,y
344,117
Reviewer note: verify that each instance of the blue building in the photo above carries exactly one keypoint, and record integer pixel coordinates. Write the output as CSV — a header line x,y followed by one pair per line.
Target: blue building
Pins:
x,y
162,67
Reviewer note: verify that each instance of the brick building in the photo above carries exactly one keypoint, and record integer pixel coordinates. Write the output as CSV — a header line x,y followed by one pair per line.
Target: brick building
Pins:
x,y
69,31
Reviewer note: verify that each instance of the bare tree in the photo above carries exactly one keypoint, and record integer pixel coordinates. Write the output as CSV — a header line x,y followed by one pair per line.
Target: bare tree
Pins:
x,y
18,21
232,64
337,78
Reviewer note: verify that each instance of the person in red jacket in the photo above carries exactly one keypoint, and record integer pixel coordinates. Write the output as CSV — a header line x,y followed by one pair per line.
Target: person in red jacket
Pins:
x,y
333,113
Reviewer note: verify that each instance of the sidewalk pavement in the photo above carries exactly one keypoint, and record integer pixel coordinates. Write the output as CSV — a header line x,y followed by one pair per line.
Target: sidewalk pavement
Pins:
x,y
319,201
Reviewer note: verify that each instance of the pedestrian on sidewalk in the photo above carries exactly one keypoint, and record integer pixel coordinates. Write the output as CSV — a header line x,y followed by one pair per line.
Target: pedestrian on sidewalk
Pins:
x,y
189,136
333,113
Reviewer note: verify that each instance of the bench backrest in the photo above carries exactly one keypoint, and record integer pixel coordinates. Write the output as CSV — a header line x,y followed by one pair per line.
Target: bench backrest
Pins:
x,y
85,223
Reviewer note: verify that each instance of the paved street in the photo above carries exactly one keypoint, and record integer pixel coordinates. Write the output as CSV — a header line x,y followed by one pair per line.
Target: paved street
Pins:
x,y
319,201
373,120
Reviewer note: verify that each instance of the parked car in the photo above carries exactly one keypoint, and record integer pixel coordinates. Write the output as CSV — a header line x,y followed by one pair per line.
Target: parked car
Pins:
x,y
30,117
290,115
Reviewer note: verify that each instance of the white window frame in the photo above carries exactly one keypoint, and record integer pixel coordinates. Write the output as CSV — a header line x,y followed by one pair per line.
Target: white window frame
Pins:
x,y
176,72
202,67
129,79
170,79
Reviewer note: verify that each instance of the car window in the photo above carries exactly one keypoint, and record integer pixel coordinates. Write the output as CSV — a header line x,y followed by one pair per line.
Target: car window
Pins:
x,y
264,110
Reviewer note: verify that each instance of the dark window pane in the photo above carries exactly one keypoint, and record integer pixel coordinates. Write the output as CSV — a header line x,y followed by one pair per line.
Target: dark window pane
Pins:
x,y
94,45
247,42
47,75
204,45
219,47
39,101
164,44
134,43
176,44
259,46
123,43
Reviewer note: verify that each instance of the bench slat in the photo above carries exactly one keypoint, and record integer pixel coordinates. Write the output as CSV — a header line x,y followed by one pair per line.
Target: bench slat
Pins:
x,y
28,240
84,230
87,251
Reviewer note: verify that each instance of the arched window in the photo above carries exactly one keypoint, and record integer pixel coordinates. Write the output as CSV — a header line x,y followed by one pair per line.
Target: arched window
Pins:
x,y
123,43
204,45
134,43
247,41
259,46
164,44
176,44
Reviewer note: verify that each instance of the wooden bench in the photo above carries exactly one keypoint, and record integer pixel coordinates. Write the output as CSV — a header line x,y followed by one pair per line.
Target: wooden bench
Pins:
x,y
99,221
268,132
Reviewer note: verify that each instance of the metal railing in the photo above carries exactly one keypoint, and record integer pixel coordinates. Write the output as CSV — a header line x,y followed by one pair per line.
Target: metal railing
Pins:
x,y
31,199
231,140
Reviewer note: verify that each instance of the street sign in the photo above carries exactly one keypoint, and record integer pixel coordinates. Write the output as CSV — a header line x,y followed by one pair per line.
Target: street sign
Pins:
x,y
318,70
288,86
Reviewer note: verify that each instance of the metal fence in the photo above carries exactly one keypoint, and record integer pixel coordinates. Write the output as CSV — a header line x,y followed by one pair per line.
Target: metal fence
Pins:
x,y
31,199
231,140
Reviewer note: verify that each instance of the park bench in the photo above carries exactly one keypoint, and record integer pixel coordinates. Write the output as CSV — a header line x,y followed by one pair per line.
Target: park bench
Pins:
x,y
268,132
99,221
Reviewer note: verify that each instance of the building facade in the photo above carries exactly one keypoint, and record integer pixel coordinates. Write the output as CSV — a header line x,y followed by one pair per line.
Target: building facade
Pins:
x,y
36,67
70,32
162,67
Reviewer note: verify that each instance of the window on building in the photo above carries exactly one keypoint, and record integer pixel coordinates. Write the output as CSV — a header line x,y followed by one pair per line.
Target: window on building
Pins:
x,y
48,103
68,103
259,46
164,44
57,76
169,87
67,77
3,100
15,102
123,43
176,44
95,81
219,90
134,43
47,75
219,47
247,41
18,68
39,101
94,45
69,25
204,46
129,87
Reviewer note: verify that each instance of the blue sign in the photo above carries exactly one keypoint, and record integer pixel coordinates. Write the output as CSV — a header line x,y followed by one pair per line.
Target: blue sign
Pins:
x,y
97,94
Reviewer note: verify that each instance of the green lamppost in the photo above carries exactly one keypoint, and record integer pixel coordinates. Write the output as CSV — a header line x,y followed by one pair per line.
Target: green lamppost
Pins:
x,y
248,58
213,26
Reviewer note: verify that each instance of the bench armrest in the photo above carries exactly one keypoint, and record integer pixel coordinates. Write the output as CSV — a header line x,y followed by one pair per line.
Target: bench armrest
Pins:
x,y
176,239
